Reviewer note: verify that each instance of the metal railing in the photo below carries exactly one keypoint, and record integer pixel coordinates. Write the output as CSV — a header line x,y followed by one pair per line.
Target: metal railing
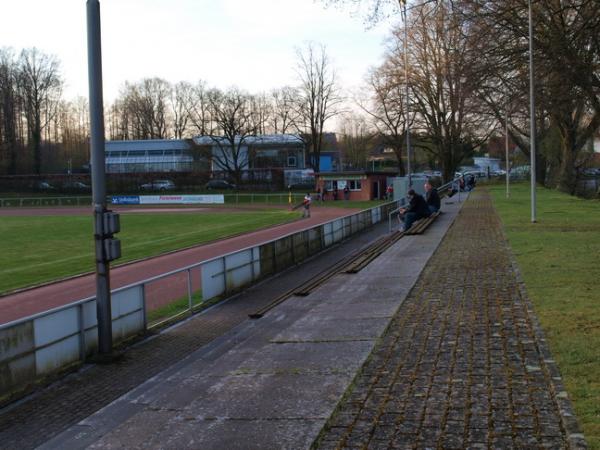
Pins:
x,y
278,198
238,198
42,343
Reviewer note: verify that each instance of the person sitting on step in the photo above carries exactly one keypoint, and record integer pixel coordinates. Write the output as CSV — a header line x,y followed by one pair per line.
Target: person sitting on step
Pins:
x,y
417,209
432,198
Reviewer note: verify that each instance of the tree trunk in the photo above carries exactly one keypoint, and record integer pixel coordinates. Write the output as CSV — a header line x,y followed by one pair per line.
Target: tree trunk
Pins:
x,y
398,151
567,182
541,165
36,138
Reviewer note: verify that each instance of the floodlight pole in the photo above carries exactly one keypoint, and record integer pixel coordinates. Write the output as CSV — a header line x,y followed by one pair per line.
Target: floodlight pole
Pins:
x,y
507,160
532,118
407,126
103,307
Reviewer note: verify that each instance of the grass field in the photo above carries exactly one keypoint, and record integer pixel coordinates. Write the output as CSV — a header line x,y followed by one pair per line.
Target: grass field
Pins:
x,y
43,248
559,260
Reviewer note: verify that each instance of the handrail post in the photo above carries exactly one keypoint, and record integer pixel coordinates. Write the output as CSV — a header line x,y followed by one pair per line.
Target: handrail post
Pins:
x,y
81,324
144,309
189,287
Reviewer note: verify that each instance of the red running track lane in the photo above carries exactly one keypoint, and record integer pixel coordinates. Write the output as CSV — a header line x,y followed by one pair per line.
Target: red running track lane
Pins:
x,y
43,298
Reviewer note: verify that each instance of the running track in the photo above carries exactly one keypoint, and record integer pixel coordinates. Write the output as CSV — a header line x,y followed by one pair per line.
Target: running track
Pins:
x,y
43,298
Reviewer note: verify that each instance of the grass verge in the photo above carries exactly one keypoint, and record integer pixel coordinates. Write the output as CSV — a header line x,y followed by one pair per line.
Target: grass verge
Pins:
x,y
558,258
174,308
37,249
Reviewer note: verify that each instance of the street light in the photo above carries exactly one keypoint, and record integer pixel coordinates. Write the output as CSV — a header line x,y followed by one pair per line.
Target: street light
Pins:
x,y
506,149
407,127
106,223
532,130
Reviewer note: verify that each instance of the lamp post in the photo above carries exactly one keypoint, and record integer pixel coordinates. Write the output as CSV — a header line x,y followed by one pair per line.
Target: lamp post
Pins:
x,y
106,223
532,129
506,149
407,98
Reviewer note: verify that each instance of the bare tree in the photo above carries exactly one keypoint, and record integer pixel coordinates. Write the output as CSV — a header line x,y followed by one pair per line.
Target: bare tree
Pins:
x,y
41,88
199,109
9,110
284,111
73,122
567,61
145,108
261,111
232,115
357,141
179,95
444,82
318,98
387,108
376,10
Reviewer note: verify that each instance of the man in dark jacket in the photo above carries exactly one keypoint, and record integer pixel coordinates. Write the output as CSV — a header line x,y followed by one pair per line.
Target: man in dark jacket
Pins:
x,y
417,209
432,198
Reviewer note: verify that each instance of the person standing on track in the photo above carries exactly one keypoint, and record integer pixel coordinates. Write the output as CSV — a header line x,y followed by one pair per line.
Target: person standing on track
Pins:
x,y
306,204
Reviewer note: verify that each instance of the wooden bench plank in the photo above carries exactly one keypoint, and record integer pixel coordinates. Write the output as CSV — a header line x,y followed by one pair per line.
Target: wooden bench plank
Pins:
x,y
421,225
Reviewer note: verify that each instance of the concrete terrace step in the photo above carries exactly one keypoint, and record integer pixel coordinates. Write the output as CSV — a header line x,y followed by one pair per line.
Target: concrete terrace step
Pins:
x,y
272,382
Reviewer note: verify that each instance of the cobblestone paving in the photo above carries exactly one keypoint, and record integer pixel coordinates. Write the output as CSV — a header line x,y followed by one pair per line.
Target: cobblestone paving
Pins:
x,y
30,423
463,363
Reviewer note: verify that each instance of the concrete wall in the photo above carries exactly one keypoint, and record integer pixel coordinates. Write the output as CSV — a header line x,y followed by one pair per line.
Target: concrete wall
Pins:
x,y
45,343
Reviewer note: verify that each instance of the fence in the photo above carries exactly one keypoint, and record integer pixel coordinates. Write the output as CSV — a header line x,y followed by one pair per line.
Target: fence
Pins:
x,y
280,198
45,201
39,345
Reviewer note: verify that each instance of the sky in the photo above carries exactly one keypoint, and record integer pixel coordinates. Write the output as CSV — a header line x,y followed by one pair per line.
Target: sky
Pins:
x,y
245,43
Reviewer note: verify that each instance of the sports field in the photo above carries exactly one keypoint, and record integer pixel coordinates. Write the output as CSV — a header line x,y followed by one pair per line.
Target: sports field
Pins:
x,y
39,248
558,257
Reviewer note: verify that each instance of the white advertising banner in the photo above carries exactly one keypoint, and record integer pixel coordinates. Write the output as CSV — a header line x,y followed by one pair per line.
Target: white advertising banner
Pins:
x,y
181,199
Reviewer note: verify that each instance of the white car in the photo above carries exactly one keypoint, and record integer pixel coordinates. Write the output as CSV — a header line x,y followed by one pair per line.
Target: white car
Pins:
x,y
158,185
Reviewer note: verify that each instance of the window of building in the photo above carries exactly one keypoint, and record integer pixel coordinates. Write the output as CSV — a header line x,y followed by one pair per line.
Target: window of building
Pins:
x,y
355,185
291,161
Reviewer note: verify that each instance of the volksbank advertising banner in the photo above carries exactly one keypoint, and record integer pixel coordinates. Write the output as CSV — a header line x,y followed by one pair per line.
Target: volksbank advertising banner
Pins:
x,y
167,199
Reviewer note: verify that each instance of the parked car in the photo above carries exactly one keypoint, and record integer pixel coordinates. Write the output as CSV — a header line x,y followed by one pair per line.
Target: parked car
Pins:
x,y
519,172
43,186
158,185
475,173
592,172
76,186
219,184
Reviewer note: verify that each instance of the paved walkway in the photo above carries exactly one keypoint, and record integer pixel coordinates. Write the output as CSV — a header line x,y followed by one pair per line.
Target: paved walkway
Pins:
x,y
31,301
464,363
270,383
415,351
59,406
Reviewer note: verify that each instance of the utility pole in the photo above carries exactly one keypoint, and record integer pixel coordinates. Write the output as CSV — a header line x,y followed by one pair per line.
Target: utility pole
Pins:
x,y
532,129
507,160
106,223
406,111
